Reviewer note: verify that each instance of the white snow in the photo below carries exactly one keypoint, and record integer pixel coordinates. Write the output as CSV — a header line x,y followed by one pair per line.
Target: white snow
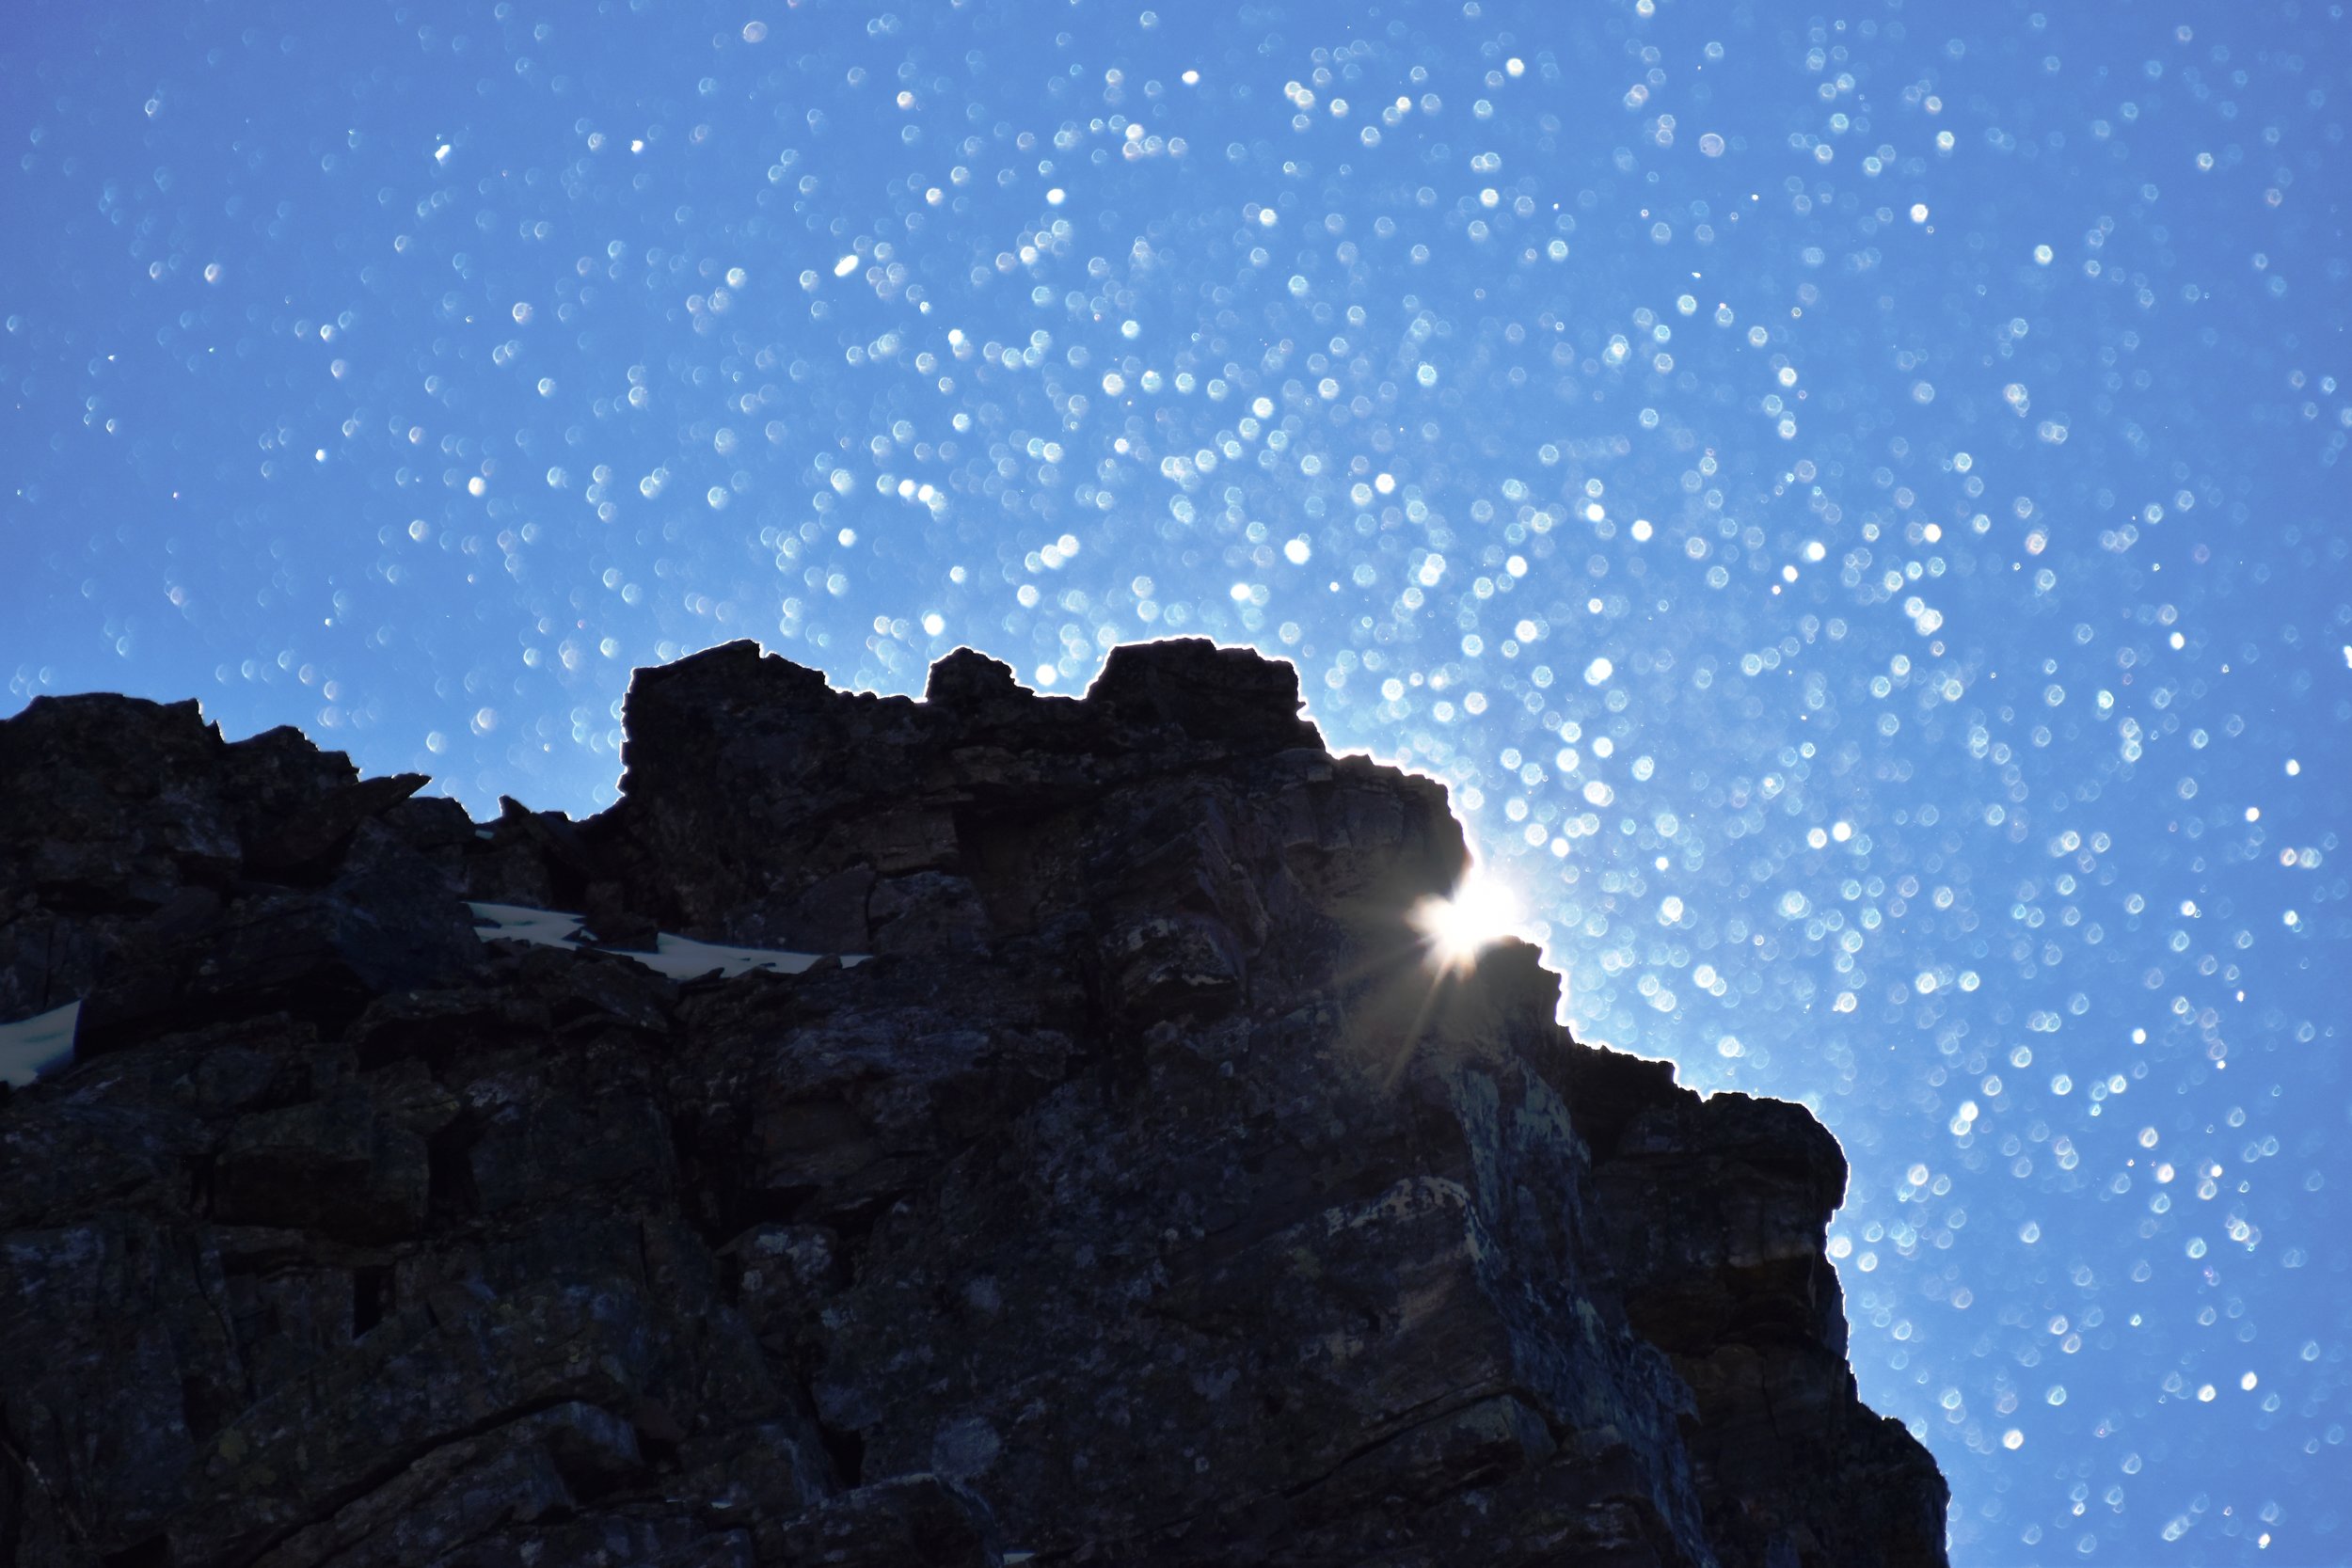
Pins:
x,y
32,1046
680,957
519,924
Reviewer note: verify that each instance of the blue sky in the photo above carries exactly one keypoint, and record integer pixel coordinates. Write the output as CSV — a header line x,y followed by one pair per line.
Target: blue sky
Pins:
x,y
1848,501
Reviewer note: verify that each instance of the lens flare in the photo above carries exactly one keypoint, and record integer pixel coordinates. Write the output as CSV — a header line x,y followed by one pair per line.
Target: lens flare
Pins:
x,y
1481,912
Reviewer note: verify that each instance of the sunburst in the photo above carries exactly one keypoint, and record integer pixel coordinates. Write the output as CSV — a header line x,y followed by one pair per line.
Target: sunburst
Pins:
x,y
1480,912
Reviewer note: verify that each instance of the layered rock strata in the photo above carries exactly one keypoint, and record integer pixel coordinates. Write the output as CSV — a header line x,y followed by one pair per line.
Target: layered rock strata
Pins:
x,y
1141,1197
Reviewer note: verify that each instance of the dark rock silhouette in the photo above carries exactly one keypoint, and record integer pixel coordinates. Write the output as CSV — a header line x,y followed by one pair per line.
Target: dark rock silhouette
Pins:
x,y
1142,1199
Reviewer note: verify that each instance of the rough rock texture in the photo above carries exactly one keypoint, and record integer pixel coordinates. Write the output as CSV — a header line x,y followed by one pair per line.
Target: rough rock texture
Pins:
x,y
1144,1198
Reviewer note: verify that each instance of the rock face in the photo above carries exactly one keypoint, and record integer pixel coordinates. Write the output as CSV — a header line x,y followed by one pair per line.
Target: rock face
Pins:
x,y
1144,1197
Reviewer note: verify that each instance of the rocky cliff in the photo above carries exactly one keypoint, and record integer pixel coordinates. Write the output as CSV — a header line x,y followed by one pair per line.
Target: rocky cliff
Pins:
x,y
992,1129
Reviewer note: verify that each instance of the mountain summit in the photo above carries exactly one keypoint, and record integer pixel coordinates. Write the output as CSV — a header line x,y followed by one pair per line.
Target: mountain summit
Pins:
x,y
992,1129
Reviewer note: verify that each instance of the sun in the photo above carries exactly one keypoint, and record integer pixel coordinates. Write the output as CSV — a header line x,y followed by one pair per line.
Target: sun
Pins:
x,y
1481,912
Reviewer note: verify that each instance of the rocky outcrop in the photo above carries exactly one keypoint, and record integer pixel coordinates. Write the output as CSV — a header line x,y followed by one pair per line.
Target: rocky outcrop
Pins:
x,y
1110,1181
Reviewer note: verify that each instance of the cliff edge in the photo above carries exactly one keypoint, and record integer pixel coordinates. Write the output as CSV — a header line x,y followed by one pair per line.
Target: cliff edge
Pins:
x,y
994,1129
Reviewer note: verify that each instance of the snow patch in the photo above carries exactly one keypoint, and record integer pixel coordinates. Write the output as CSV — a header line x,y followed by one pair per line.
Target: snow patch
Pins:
x,y
32,1046
679,958
516,922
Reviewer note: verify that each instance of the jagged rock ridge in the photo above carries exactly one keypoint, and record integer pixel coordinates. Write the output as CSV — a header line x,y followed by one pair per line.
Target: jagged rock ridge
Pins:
x,y
1143,1199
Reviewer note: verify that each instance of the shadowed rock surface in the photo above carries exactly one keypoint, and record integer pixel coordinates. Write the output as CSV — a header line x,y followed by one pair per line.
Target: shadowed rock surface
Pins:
x,y
1143,1198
